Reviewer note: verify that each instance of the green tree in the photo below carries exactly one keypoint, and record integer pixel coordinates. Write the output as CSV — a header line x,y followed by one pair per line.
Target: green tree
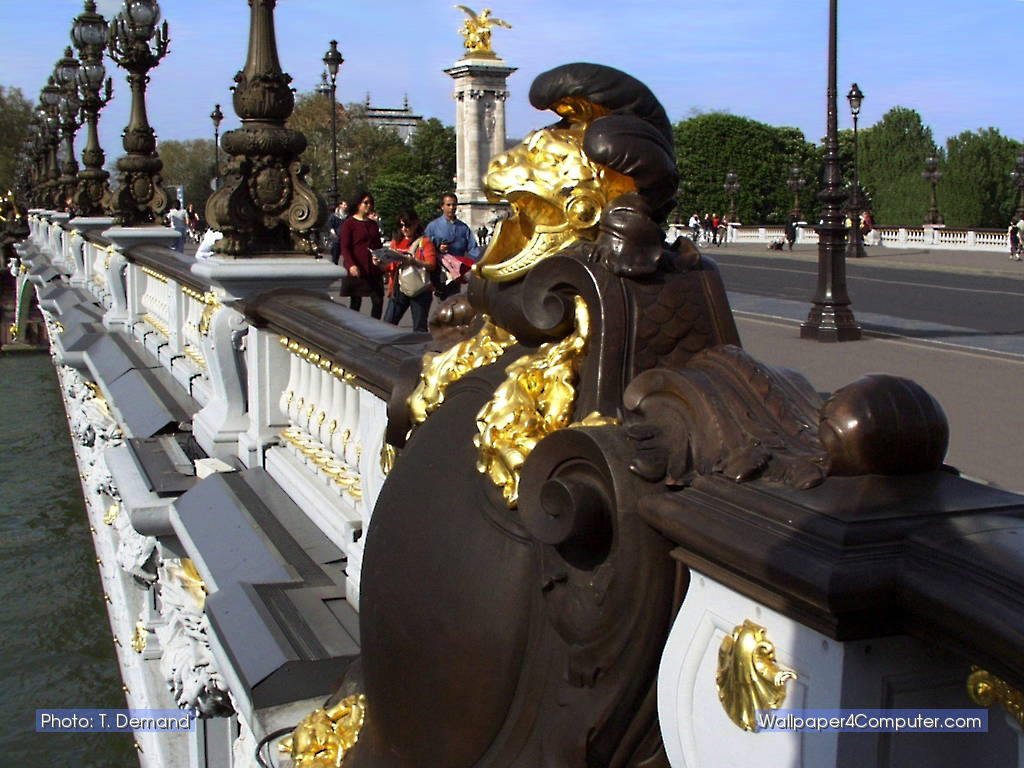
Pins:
x,y
418,177
976,190
15,113
892,155
189,163
710,145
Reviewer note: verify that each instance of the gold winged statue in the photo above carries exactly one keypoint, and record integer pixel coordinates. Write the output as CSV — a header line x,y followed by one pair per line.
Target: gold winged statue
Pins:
x,y
477,31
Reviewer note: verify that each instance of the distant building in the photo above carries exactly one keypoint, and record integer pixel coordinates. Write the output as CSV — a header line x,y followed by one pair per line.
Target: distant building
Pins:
x,y
401,121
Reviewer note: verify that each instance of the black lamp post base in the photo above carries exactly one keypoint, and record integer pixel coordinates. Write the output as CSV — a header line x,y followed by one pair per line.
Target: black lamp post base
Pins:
x,y
830,323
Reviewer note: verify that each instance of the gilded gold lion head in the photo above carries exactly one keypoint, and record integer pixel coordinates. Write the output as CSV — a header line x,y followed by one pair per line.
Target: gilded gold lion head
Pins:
x,y
748,677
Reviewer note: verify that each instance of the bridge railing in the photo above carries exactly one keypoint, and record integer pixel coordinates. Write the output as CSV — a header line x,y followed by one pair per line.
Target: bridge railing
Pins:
x,y
954,238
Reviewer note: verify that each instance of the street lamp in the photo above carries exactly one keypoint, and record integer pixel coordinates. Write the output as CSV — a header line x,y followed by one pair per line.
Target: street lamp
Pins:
x,y
66,74
796,182
216,116
830,317
49,97
1017,174
89,34
856,249
140,198
732,186
932,175
333,61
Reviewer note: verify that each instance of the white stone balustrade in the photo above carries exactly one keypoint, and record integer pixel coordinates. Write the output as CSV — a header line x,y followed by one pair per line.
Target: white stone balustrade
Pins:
x,y
926,236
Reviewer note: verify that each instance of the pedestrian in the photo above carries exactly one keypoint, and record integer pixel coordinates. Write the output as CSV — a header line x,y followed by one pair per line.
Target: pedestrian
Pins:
x,y
176,221
338,215
1014,234
694,225
716,222
410,281
358,236
791,231
705,226
456,246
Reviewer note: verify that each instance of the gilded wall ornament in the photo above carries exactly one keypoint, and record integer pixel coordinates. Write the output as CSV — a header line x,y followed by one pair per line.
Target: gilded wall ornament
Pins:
x,y
325,736
748,677
986,689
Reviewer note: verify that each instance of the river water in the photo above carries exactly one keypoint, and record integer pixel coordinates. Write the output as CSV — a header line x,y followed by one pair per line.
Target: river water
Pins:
x,y
55,641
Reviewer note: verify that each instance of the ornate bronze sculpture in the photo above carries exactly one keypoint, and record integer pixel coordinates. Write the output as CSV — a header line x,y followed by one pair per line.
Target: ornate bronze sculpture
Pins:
x,y
476,31
606,373
265,206
140,198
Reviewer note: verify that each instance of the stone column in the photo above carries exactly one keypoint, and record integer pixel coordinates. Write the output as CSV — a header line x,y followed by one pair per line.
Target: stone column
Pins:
x,y
480,94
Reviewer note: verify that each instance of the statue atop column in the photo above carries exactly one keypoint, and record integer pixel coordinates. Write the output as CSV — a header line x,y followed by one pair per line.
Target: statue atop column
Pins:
x,y
477,32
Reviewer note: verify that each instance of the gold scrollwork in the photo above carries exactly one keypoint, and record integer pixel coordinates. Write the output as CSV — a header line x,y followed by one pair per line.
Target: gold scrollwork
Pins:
x,y
387,458
748,676
986,689
443,369
536,398
111,514
325,736
211,305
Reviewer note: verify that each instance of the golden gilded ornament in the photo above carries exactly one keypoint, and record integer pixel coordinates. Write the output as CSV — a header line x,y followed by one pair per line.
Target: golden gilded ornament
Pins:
x,y
595,419
536,398
555,191
748,677
476,31
138,641
387,458
986,689
443,369
325,736
111,514
184,573
158,276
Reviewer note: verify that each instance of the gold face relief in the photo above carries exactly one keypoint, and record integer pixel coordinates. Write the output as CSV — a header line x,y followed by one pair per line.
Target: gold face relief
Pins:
x,y
748,677
555,191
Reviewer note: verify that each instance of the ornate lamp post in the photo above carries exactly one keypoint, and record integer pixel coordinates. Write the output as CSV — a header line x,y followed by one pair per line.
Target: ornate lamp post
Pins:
x,y
265,206
932,175
140,198
1017,174
796,182
49,96
89,34
66,75
732,186
856,249
831,318
333,60
216,116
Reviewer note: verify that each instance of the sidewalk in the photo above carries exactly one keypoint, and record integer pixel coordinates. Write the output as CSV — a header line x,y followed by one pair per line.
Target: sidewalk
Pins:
x,y
942,260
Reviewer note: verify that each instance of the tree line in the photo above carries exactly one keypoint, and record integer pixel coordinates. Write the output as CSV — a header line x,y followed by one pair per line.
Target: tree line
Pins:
x,y
976,189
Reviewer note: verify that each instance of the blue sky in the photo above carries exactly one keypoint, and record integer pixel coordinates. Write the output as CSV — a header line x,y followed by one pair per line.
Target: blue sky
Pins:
x,y
951,60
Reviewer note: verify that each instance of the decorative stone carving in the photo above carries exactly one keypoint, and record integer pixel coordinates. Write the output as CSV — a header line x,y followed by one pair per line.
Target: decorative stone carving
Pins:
x,y
187,663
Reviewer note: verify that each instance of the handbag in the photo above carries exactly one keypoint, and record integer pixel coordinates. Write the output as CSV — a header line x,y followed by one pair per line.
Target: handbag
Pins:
x,y
413,279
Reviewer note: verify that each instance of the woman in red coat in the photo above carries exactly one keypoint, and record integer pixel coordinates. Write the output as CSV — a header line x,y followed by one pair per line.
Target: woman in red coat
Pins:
x,y
358,236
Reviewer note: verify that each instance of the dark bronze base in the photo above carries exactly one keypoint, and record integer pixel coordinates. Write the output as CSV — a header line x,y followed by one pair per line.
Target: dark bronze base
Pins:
x,y
830,323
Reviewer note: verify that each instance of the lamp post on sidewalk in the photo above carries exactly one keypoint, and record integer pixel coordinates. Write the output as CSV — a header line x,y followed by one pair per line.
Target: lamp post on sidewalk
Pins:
x,y
216,116
856,248
333,61
732,186
831,318
89,34
932,175
796,182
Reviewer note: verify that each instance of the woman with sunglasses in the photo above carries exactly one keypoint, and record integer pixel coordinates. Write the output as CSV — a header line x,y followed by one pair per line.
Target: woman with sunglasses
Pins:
x,y
421,255
358,236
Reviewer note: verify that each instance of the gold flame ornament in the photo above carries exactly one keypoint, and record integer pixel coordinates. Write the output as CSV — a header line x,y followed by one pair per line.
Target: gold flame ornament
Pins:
x,y
748,677
325,736
536,398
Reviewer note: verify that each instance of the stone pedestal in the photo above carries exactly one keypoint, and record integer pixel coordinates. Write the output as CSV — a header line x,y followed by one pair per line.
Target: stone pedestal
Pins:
x,y
480,94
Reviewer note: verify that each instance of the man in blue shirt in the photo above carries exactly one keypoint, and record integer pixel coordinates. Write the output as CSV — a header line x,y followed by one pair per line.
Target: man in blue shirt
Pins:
x,y
456,248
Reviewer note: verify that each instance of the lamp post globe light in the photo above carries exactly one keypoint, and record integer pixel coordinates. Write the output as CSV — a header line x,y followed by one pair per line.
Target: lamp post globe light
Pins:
x,y
66,74
333,61
796,182
732,186
933,175
1017,174
137,46
830,317
49,97
89,34
856,247
216,117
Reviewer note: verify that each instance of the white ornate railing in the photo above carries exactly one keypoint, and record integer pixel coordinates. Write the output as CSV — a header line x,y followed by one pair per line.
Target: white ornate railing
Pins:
x,y
889,237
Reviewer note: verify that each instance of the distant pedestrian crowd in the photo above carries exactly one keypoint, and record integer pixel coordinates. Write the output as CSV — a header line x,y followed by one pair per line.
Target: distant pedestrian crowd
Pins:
x,y
709,229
